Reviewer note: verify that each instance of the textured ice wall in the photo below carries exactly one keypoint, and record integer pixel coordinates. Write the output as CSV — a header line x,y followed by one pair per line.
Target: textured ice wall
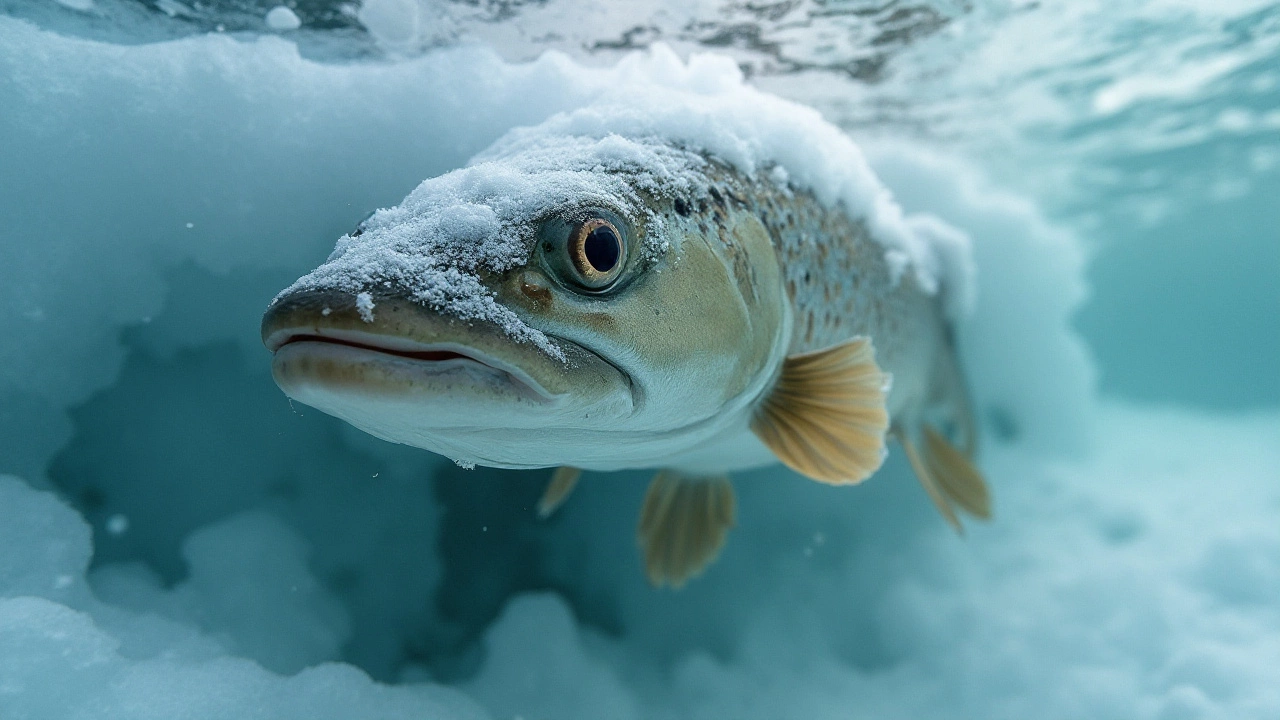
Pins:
x,y
122,161
276,540
227,154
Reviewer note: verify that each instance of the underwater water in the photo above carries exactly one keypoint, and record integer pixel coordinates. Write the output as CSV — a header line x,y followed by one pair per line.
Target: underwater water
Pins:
x,y
177,539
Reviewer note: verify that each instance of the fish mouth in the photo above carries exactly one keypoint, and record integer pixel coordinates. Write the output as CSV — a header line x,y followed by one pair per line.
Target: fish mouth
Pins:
x,y
408,374
331,350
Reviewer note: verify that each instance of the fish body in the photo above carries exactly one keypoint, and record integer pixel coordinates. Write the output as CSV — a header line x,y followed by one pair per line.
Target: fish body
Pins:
x,y
609,303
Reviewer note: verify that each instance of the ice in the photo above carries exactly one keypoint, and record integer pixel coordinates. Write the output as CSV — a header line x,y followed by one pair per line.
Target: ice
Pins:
x,y
281,18
187,544
395,24
105,115
565,680
249,586
1028,285
1082,600
1088,597
62,654
365,306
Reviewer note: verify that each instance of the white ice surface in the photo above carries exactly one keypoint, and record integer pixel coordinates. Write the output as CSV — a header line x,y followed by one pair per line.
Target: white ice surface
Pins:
x,y
281,18
195,651
1108,587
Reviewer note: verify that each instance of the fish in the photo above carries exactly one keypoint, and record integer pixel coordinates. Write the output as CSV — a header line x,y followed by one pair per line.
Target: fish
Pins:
x,y
602,303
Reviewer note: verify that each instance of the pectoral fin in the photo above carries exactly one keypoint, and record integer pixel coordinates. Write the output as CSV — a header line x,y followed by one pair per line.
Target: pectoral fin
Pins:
x,y
563,481
683,525
826,417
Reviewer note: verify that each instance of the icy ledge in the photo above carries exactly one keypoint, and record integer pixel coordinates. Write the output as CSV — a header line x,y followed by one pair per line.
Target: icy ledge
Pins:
x,y
1112,587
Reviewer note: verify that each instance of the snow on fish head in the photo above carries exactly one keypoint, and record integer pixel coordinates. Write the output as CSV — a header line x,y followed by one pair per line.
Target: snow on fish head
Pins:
x,y
590,302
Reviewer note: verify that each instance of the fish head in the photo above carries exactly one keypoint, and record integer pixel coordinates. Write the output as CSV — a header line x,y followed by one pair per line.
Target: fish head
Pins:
x,y
512,314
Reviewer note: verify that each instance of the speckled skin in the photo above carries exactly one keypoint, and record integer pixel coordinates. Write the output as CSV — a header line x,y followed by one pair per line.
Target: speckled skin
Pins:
x,y
729,275
839,285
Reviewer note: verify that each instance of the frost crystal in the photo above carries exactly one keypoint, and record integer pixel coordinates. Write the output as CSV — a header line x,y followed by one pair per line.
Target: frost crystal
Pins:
x,y
364,306
436,246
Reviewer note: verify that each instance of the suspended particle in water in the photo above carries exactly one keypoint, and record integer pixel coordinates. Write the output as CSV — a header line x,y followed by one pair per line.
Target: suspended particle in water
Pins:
x,y
117,524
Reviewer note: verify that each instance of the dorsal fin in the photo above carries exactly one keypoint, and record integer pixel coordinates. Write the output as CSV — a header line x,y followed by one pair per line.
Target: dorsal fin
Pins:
x,y
826,417
563,481
683,525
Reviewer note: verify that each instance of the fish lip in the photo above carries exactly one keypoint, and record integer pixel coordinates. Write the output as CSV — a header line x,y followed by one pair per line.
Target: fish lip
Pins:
x,y
402,349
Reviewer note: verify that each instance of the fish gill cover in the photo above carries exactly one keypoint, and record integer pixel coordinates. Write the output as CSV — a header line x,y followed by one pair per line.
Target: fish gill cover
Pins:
x,y
182,541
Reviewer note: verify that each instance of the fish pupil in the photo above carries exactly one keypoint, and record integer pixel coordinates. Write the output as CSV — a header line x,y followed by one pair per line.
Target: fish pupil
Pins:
x,y
602,248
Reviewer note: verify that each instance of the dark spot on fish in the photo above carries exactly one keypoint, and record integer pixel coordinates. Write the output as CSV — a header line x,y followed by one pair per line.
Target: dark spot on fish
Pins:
x,y
717,197
600,321
807,277
682,207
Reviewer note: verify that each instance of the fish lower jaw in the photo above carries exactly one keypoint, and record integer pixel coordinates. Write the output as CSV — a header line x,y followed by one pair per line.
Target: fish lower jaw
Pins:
x,y
361,367
388,395
433,356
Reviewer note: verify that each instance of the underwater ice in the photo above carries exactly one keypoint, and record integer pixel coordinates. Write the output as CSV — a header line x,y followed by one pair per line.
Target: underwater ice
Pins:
x,y
257,561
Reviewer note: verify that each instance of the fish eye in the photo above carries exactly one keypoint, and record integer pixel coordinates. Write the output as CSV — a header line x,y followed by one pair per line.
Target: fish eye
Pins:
x,y
596,253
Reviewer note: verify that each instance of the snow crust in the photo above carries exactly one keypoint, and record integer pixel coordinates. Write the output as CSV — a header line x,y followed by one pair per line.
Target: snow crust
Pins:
x,y
483,218
281,18
1089,598
275,563
644,133
213,647
704,104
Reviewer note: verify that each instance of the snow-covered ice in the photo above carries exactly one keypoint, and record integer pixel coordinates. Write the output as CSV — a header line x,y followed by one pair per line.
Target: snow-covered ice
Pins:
x,y
281,18
1109,587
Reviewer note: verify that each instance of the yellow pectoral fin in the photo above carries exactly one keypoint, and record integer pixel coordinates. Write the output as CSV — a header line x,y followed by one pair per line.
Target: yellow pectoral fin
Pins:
x,y
563,481
826,417
683,525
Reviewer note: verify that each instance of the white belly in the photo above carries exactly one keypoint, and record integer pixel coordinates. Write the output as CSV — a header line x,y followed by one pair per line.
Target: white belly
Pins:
x,y
738,449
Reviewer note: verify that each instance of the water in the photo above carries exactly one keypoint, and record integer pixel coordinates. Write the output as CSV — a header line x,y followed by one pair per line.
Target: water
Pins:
x,y
166,167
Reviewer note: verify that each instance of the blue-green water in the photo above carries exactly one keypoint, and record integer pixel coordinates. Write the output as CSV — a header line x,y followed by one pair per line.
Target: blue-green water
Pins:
x,y
181,541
